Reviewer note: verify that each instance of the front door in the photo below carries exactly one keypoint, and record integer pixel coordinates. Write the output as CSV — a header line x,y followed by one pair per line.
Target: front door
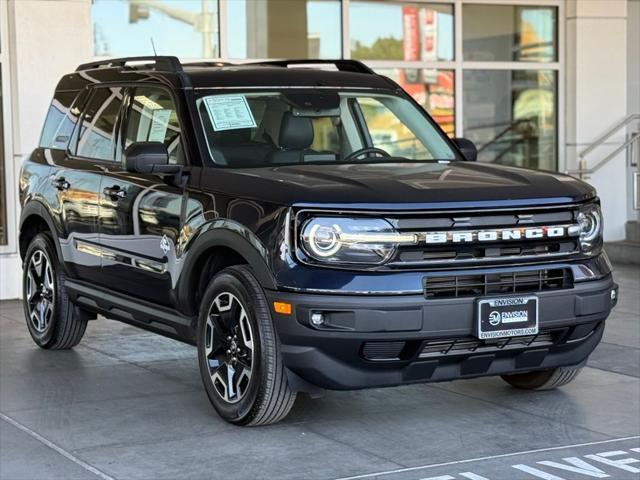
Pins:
x,y
141,214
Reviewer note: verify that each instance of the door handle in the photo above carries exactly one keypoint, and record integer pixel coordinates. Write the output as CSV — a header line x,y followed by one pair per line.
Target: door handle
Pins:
x,y
60,183
115,192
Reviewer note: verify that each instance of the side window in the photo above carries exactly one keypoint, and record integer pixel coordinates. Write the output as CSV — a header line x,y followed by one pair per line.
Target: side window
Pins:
x,y
97,135
389,133
60,121
153,118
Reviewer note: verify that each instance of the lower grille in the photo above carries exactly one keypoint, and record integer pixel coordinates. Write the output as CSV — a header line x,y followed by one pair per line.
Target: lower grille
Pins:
x,y
439,348
382,350
499,283
420,349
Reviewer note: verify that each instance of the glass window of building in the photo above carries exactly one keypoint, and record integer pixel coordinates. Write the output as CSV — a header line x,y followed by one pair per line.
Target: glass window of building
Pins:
x,y
284,29
431,88
511,116
400,31
509,33
185,28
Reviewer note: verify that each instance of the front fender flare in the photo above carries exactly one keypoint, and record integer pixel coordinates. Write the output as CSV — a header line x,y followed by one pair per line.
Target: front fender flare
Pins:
x,y
228,234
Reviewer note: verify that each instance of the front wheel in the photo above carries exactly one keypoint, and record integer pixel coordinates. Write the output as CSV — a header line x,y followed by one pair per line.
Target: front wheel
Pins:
x,y
238,351
543,380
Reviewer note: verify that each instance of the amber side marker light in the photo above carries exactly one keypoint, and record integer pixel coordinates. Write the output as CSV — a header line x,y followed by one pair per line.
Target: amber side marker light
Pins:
x,y
283,308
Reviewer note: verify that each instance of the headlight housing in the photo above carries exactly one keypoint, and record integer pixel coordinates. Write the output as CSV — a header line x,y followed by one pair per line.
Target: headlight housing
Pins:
x,y
346,240
591,224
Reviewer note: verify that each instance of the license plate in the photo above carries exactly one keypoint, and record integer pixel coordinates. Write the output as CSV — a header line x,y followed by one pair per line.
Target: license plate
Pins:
x,y
507,317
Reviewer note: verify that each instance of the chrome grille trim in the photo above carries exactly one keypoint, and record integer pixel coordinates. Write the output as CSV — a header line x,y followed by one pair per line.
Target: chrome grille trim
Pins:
x,y
486,236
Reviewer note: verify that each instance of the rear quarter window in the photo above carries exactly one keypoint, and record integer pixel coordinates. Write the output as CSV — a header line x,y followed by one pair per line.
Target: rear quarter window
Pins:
x,y
60,121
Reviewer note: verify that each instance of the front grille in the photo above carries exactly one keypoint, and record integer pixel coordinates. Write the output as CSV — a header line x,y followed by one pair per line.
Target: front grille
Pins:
x,y
486,253
461,346
497,283
470,252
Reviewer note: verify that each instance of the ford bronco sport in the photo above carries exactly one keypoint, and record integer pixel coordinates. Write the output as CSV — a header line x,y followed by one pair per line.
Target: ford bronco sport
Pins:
x,y
307,228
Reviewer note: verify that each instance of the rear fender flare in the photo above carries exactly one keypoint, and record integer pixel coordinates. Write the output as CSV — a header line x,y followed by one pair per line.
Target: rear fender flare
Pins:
x,y
36,208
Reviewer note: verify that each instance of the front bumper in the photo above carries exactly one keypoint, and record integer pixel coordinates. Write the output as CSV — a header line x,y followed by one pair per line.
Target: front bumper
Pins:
x,y
377,340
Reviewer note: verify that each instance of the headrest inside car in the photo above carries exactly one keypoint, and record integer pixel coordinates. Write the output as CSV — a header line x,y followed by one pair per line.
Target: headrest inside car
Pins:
x,y
296,133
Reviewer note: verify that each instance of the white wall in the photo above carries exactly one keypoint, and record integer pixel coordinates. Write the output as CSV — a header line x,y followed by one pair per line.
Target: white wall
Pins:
x,y
596,97
633,56
46,39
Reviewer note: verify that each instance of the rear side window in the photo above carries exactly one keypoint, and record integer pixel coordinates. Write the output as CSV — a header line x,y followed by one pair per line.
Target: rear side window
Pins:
x,y
98,131
153,118
60,121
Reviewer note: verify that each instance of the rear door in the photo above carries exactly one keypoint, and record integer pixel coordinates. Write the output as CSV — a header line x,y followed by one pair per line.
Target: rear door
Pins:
x,y
141,214
76,178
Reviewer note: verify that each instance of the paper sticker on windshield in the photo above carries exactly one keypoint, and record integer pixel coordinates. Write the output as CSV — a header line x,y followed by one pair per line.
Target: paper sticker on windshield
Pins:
x,y
229,112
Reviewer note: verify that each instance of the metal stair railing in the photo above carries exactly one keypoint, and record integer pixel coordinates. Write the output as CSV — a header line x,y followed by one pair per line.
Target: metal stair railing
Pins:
x,y
584,170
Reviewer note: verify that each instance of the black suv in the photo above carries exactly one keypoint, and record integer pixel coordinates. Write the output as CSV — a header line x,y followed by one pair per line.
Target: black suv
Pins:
x,y
308,227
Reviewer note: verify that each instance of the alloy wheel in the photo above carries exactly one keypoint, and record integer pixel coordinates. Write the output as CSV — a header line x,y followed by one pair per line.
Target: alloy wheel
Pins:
x,y
40,290
229,347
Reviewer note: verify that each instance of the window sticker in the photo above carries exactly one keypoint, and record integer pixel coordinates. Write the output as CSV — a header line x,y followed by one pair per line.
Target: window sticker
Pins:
x,y
159,124
229,112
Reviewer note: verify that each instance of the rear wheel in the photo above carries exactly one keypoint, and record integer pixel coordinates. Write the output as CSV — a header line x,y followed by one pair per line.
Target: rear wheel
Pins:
x,y
238,351
51,318
543,380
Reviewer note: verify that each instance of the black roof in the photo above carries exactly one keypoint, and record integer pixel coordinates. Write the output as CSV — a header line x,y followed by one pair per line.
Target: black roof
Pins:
x,y
279,73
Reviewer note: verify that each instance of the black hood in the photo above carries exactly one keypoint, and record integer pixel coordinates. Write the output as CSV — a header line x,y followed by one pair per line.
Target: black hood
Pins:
x,y
399,185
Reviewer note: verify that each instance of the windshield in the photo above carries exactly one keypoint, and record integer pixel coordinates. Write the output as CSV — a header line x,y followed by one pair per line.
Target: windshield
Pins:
x,y
257,129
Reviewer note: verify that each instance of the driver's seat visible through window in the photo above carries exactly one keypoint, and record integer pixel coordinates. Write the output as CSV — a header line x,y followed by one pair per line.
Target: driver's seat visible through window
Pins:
x,y
294,140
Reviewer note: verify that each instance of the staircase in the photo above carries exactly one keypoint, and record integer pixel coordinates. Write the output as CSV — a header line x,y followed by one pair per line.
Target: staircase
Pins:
x,y
627,251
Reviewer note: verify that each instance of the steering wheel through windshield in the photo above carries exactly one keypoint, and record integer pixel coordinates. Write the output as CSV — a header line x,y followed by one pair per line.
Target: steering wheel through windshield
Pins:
x,y
362,151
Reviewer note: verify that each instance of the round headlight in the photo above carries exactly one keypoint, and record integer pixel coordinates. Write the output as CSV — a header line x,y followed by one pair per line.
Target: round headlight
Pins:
x,y
589,225
350,240
324,240
590,221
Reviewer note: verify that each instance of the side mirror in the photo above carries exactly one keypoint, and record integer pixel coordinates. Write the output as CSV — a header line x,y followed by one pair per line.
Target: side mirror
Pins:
x,y
467,148
148,157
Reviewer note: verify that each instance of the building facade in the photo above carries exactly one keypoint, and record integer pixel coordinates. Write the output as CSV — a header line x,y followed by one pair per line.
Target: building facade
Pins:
x,y
532,82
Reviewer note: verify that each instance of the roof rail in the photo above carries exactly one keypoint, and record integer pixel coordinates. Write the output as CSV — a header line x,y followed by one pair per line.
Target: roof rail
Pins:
x,y
209,63
165,63
342,65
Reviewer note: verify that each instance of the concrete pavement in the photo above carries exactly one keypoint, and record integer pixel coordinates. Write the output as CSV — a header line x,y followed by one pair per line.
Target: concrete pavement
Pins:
x,y
128,404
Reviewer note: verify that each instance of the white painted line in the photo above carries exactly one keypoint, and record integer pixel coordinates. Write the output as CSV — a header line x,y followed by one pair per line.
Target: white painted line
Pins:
x,y
56,448
490,457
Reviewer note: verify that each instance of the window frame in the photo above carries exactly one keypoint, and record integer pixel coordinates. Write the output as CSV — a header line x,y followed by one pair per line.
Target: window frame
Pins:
x,y
459,65
206,91
124,124
75,135
122,120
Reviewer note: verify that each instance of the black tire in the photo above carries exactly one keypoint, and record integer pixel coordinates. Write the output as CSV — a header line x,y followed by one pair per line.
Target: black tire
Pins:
x,y
62,327
543,380
265,398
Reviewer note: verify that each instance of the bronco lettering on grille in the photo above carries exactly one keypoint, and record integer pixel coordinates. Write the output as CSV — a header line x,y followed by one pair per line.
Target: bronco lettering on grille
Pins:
x,y
505,234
